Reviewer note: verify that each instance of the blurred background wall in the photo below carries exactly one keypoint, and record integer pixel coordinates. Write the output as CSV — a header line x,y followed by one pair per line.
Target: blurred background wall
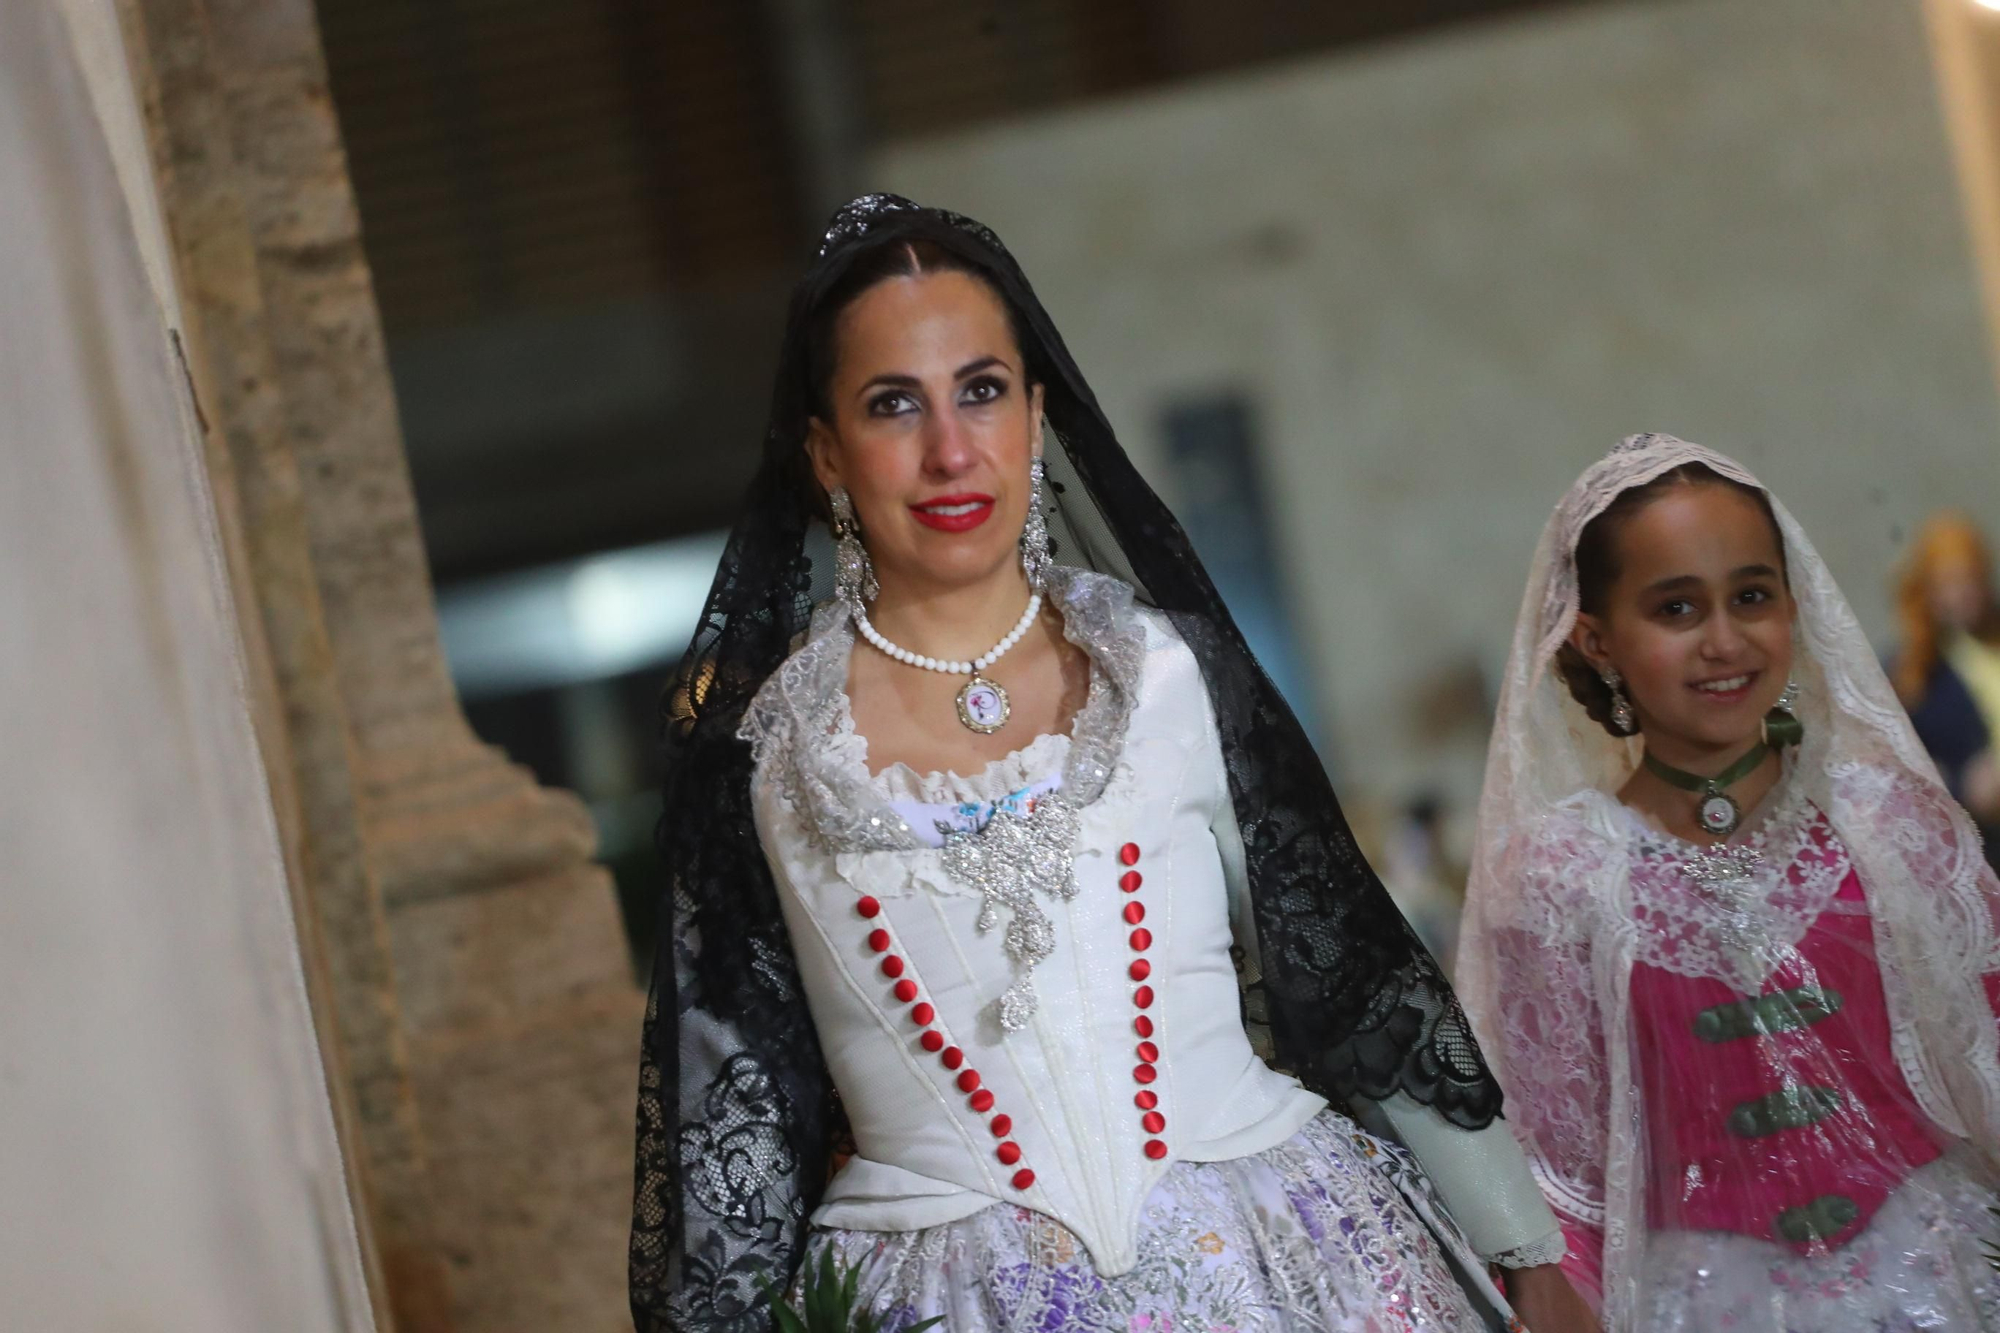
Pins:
x,y
1448,275
1363,285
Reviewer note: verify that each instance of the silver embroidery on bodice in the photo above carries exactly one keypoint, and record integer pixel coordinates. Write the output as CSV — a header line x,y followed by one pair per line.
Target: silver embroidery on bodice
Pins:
x,y
800,730
1732,911
1728,877
1010,861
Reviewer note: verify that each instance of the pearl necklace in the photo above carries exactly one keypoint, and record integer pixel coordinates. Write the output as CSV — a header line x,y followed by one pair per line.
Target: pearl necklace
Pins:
x,y
982,705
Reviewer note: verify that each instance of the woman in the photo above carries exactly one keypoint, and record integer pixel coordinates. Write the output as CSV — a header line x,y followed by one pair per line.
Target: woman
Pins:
x,y
1948,672
1729,940
972,888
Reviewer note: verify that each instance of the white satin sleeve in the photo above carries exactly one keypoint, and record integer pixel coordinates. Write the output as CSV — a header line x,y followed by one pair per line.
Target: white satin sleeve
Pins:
x,y
1483,1177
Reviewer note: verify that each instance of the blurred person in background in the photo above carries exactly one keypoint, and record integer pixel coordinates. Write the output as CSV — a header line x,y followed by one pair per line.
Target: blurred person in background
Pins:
x,y
1423,877
1731,943
958,857
1947,669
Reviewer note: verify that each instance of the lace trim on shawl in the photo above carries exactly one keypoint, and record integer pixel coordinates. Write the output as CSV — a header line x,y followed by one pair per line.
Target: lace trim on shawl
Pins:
x,y
1685,926
801,730
1551,1249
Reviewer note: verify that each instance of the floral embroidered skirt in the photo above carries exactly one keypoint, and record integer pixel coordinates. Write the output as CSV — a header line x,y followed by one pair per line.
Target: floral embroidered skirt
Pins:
x,y
1921,1263
1331,1230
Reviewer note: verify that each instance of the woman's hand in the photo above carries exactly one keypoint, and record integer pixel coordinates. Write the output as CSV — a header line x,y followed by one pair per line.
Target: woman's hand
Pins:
x,y
1547,1303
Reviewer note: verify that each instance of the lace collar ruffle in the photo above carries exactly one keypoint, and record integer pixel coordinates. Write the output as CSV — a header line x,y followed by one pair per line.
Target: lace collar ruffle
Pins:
x,y
802,737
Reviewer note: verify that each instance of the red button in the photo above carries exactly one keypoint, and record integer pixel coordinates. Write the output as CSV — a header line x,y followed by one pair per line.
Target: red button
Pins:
x,y
1143,1026
1135,912
1142,939
1129,853
981,1101
1140,969
1146,1100
1155,1149
1130,881
892,966
1152,1122
968,1081
878,940
1143,997
922,1015
1008,1153
867,907
906,990
932,1041
1148,1052
1145,1073
1002,1126
1023,1178
952,1057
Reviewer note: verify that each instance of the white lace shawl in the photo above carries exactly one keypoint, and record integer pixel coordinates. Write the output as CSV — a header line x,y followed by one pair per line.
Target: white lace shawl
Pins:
x,y
1552,928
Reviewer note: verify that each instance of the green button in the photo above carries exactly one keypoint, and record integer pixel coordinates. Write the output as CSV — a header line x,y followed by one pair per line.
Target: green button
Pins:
x,y
1787,1108
1766,1015
1822,1219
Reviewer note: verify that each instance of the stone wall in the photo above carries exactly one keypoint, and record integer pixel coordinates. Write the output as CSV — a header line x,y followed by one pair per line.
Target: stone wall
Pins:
x,y
472,972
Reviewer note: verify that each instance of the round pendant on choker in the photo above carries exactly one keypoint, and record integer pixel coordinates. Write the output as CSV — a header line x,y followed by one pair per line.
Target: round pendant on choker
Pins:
x,y
1718,813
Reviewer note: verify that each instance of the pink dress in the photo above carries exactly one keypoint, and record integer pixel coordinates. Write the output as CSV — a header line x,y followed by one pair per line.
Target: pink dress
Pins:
x,y
1797,1127
1791,1180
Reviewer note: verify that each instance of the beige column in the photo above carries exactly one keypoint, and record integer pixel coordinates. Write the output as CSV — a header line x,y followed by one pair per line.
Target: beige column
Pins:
x,y
475,964
1965,47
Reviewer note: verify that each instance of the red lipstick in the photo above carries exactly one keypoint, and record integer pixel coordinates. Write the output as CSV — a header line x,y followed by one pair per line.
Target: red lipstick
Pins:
x,y
954,513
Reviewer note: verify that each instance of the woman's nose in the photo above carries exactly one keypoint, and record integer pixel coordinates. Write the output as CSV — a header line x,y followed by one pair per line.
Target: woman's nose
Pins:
x,y
948,447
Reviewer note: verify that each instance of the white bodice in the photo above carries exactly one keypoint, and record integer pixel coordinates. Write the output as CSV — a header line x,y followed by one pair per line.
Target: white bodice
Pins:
x,y
1135,1055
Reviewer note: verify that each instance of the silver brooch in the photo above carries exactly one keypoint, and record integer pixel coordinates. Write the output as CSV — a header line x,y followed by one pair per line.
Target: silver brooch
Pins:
x,y
1728,878
1725,871
1012,861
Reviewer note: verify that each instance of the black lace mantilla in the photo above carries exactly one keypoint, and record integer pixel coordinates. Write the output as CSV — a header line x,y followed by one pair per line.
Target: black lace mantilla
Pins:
x,y
737,1115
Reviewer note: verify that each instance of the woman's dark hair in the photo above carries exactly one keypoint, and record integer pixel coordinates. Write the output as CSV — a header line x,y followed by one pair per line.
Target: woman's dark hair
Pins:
x,y
893,258
1597,569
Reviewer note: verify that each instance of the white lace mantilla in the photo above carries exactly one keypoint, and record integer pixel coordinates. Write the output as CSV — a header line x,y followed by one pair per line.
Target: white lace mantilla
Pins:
x,y
1733,913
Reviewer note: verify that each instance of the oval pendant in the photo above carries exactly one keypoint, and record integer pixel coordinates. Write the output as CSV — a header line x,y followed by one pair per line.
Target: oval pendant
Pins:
x,y
1719,814
982,706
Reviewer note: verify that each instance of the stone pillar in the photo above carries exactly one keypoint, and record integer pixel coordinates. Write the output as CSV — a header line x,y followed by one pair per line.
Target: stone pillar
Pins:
x,y
475,966
1965,51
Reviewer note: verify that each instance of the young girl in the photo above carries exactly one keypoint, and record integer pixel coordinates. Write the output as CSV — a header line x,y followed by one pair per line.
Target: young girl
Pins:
x,y
1729,943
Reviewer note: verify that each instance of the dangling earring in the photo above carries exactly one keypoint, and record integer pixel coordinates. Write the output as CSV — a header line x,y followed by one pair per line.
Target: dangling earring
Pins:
x,y
853,572
1781,725
1035,535
1621,708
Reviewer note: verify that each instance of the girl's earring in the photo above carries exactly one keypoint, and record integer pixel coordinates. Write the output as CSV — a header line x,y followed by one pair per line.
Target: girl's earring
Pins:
x,y
1035,535
1622,720
853,572
1781,725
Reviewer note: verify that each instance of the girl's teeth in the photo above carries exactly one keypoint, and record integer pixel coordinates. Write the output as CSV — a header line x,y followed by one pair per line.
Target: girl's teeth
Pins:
x,y
951,511
1725,686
